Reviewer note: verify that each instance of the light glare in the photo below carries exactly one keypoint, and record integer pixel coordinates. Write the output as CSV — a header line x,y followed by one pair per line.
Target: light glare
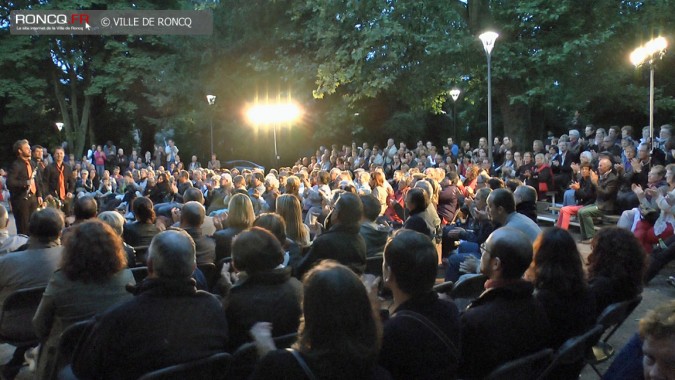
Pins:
x,y
488,39
265,114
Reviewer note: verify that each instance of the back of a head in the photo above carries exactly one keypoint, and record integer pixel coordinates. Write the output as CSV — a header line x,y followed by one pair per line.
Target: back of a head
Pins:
x,y
193,194
412,259
273,223
426,186
418,198
85,208
192,214
172,255
256,250
92,252
46,225
659,323
495,183
240,211
143,210
618,255
513,249
114,219
337,313
483,193
557,262
349,209
371,207
503,198
525,193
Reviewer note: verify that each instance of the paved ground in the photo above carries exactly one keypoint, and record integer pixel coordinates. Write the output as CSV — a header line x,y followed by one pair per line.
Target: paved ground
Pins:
x,y
655,294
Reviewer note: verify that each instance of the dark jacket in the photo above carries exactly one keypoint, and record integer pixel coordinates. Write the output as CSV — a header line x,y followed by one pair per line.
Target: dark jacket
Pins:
x,y
529,209
503,324
447,203
17,179
51,179
168,322
411,350
139,234
607,291
205,246
569,314
606,190
224,242
585,195
341,243
270,296
375,236
417,223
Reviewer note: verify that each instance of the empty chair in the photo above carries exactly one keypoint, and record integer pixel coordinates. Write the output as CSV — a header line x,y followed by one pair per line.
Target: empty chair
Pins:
x,y
611,319
568,361
16,318
212,367
528,367
444,287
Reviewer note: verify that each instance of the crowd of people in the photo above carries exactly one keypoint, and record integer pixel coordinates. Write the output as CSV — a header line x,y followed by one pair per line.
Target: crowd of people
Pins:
x,y
291,247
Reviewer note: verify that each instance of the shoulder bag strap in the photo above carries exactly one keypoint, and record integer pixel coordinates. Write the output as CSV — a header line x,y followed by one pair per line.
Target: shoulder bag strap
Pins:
x,y
432,327
302,363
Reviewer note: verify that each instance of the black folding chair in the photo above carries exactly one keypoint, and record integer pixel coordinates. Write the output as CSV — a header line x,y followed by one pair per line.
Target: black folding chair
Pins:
x,y
212,367
16,317
466,290
68,341
611,319
444,287
527,367
570,357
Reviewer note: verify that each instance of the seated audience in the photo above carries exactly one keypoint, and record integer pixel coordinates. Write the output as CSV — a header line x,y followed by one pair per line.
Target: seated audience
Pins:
x,y
240,217
605,183
584,195
266,292
331,344
416,202
526,201
421,338
374,234
116,221
615,267
9,243
91,279
506,322
143,229
191,220
167,322
289,207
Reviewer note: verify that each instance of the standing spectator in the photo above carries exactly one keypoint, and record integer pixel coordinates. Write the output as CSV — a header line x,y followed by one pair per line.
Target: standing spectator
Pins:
x,y
214,164
99,160
60,182
121,160
22,185
171,151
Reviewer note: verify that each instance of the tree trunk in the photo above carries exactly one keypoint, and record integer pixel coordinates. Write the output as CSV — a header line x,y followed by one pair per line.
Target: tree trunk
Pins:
x,y
516,122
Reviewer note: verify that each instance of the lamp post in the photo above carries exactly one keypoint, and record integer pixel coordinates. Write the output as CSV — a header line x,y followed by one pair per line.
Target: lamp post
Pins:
x,y
454,93
211,99
488,39
271,115
59,126
651,51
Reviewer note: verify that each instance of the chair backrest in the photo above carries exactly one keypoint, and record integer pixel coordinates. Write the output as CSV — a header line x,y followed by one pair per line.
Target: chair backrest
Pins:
x,y
141,254
573,351
245,357
16,317
445,287
140,273
614,315
374,265
70,338
212,367
471,287
527,367
210,272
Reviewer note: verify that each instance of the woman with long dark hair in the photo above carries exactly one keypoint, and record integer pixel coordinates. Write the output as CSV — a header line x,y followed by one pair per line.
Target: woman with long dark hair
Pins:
x,y
141,231
339,334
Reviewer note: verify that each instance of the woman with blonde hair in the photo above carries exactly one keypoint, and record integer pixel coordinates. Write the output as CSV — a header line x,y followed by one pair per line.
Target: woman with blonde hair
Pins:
x,y
293,187
288,206
240,217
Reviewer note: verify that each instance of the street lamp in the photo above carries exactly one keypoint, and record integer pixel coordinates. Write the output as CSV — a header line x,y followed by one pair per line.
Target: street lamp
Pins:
x,y
488,39
454,93
651,51
211,99
59,126
273,114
